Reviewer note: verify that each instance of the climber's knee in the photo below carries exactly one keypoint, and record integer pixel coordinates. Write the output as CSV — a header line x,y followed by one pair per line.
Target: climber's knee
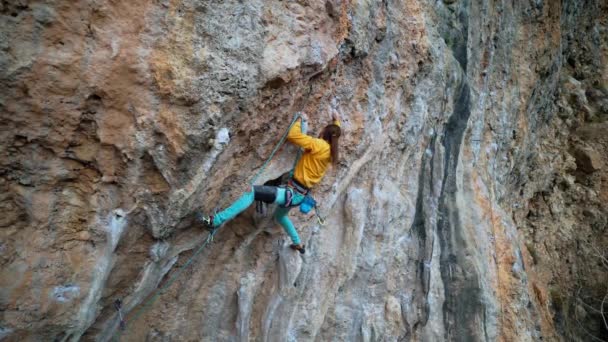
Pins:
x,y
267,194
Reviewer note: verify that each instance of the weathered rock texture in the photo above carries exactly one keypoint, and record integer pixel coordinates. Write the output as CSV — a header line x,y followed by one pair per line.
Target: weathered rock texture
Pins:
x,y
470,202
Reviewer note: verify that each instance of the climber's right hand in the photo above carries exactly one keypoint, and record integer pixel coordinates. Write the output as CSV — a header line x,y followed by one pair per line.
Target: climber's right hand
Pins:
x,y
335,115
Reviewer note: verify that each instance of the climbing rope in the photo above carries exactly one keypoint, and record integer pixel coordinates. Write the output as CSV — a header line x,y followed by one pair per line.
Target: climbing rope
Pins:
x,y
276,148
168,284
304,130
208,240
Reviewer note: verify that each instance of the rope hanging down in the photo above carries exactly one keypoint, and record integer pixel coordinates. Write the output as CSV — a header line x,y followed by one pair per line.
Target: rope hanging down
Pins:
x,y
208,240
276,148
170,282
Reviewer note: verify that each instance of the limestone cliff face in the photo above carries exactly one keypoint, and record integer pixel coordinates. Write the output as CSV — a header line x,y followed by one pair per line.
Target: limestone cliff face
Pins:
x,y
469,203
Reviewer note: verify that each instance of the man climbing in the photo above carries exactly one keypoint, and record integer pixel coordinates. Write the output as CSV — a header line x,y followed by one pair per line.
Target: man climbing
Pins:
x,y
318,153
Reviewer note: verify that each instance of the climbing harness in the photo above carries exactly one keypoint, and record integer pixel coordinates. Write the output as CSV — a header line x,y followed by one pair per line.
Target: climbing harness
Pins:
x,y
294,184
309,202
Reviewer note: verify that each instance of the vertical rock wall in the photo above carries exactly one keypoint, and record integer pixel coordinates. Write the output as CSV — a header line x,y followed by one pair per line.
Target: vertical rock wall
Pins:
x,y
460,120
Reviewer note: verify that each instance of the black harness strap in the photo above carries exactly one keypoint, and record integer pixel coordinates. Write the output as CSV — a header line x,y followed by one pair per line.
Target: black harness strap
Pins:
x,y
297,186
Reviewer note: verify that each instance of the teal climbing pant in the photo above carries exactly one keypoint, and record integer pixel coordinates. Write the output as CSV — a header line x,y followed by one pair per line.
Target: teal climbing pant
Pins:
x,y
280,214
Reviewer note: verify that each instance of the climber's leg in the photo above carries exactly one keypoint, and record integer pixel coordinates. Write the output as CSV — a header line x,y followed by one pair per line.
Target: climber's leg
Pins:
x,y
234,209
281,216
266,194
283,195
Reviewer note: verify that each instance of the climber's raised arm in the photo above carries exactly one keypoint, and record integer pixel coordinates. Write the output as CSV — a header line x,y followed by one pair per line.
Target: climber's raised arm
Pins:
x,y
335,117
306,142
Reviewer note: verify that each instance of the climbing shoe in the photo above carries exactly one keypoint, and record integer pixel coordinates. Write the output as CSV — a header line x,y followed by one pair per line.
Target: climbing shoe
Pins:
x,y
206,221
298,247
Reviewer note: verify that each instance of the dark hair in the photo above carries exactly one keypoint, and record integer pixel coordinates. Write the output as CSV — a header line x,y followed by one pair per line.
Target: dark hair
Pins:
x,y
331,134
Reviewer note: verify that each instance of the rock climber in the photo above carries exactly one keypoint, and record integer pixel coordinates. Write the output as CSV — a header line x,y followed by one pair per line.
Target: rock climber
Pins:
x,y
318,154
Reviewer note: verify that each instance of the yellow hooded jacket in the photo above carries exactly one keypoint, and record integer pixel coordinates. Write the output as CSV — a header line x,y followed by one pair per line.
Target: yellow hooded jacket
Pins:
x,y
313,164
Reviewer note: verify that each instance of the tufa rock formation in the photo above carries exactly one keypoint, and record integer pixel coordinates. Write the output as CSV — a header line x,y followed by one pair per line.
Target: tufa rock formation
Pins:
x,y
470,202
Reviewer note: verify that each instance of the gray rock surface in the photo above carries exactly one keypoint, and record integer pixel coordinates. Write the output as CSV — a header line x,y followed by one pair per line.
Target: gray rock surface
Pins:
x,y
473,161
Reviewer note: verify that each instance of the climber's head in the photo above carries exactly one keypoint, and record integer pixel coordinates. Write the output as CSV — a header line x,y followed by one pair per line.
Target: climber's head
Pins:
x,y
331,134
